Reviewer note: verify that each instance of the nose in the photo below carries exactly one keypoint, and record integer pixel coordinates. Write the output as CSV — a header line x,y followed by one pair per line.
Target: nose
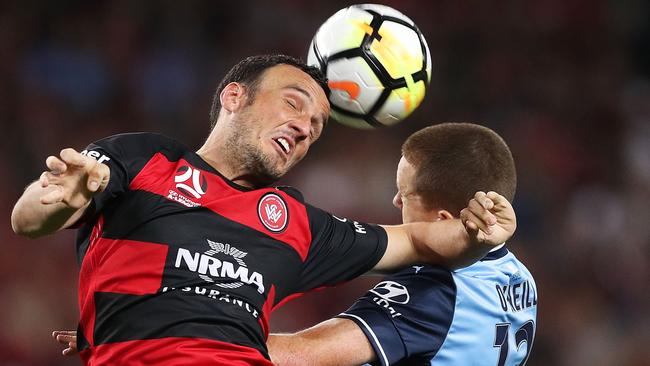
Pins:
x,y
301,128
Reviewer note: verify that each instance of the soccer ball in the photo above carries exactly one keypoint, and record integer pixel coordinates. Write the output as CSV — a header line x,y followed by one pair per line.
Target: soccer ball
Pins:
x,y
377,62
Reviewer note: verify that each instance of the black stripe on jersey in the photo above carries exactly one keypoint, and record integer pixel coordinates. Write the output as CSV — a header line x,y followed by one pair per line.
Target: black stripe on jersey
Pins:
x,y
185,314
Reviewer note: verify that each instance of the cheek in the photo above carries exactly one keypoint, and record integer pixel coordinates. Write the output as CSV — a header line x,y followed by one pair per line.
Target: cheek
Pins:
x,y
414,212
300,152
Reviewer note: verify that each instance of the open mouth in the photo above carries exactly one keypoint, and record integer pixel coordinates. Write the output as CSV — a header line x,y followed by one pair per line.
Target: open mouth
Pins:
x,y
284,144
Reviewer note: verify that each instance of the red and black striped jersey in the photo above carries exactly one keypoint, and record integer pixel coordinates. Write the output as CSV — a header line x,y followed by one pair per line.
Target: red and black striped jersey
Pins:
x,y
181,266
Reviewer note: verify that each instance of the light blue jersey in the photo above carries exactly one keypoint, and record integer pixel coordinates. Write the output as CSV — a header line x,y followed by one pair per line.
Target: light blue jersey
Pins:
x,y
484,314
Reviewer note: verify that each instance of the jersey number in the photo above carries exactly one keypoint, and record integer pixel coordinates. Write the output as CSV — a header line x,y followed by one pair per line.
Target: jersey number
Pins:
x,y
526,333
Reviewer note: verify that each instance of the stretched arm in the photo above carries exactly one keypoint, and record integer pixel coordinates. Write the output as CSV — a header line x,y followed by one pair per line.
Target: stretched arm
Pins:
x,y
312,346
60,196
335,342
487,221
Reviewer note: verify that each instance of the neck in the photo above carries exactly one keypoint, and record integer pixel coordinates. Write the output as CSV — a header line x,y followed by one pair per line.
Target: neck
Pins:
x,y
214,153
497,247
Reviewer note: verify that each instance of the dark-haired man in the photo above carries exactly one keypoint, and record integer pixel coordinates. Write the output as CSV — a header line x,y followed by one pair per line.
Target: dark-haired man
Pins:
x,y
480,315
184,254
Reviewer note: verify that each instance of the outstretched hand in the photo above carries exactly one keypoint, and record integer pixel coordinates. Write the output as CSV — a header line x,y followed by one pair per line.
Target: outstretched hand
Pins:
x,y
67,338
76,178
489,218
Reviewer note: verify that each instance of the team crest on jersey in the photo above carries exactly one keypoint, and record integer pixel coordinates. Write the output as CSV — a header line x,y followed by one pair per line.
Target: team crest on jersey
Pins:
x,y
273,212
392,291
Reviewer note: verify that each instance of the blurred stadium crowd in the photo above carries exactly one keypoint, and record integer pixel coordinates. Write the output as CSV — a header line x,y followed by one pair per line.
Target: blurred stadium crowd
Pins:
x,y
565,82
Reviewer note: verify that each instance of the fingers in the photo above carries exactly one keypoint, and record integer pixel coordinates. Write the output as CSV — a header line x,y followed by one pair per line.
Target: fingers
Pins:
x,y
498,200
55,195
477,215
70,351
67,338
483,199
474,222
43,180
468,221
98,173
55,165
73,163
72,333
98,177
480,206
73,158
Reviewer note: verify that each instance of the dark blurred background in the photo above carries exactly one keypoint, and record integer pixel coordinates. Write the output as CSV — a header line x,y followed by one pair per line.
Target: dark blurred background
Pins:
x,y
565,82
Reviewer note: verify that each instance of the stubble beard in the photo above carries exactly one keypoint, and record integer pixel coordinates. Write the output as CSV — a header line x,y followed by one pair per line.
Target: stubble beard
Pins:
x,y
249,157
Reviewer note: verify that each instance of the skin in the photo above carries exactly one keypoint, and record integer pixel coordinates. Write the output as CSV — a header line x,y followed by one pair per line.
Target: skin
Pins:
x,y
244,148
313,346
288,103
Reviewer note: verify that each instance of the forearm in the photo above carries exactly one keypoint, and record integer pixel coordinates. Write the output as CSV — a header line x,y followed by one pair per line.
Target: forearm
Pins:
x,y
286,350
335,342
34,219
445,243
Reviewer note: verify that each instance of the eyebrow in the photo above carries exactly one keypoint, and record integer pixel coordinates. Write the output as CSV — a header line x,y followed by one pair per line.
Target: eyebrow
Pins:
x,y
300,90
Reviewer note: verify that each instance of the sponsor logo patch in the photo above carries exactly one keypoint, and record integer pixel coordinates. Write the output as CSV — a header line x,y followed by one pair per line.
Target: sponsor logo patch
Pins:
x,y
392,291
189,182
229,271
185,176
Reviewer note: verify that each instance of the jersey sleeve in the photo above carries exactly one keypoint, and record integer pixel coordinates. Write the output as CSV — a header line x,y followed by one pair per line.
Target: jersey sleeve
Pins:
x,y
340,250
408,314
125,154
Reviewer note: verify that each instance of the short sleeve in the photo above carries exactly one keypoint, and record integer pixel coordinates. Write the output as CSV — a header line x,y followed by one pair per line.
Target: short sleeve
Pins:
x,y
340,250
408,314
125,154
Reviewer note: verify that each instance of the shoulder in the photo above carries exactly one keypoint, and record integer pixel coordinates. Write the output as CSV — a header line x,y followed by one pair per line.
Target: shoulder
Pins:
x,y
139,139
423,282
293,193
138,144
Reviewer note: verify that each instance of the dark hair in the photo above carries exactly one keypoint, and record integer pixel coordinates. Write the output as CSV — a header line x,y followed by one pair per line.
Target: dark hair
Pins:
x,y
248,72
454,160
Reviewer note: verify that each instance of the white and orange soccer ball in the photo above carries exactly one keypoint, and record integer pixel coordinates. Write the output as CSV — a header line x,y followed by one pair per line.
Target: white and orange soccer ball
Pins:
x,y
377,62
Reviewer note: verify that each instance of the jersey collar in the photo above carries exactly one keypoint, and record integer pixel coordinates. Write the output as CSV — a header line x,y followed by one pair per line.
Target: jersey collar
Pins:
x,y
496,253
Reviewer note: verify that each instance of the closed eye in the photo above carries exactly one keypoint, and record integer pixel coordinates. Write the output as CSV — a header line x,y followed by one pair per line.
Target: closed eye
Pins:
x,y
291,104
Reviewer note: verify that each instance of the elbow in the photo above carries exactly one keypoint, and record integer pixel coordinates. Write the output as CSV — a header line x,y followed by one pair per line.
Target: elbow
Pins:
x,y
22,227
31,234
23,230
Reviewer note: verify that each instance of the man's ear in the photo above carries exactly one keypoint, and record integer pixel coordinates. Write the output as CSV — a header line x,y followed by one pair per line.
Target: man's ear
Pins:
x,y
445,215
233,97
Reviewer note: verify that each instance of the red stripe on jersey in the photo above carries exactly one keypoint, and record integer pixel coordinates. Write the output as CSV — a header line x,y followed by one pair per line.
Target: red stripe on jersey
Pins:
x,y
85,297
172,181
266,311
294,296
129,267
118,266
173,351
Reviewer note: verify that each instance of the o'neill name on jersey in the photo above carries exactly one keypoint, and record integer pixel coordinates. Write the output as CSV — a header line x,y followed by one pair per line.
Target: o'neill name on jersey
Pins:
x,y
518,296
